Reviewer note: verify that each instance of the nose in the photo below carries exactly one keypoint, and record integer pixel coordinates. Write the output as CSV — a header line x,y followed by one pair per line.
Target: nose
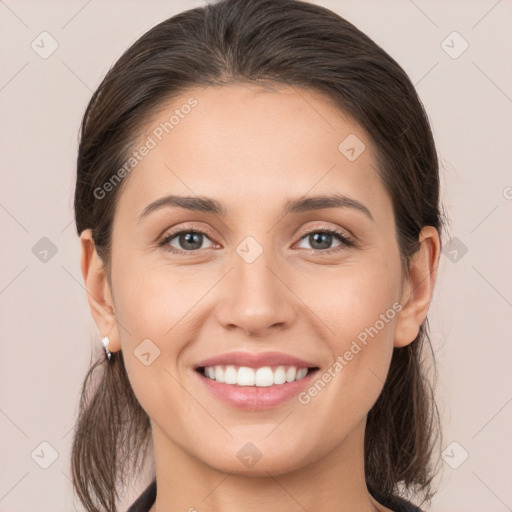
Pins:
x,y
255,297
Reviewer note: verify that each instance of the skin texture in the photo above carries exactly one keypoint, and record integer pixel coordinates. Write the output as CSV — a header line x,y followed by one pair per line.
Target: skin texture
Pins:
x,y
253,149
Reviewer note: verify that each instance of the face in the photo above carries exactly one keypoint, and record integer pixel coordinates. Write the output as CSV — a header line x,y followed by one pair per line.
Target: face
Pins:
x,y
319,282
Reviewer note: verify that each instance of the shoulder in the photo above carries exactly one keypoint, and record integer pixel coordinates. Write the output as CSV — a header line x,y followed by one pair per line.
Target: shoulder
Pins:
x,y
146,500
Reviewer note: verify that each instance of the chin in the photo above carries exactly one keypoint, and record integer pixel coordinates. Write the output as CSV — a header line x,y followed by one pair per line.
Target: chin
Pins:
x,y
248,460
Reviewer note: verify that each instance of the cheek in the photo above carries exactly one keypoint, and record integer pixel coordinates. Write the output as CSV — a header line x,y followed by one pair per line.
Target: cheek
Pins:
x,y
359,302
151,310
360,310
155,302
156,308
363,318
343,393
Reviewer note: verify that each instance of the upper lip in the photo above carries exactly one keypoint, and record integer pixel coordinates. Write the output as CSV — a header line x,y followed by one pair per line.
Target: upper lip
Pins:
x,y
256,360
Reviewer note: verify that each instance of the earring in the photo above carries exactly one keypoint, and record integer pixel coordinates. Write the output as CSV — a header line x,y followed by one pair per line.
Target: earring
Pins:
x,y
105,341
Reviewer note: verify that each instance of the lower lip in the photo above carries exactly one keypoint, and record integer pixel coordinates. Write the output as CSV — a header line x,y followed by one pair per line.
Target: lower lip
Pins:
x,y
254,397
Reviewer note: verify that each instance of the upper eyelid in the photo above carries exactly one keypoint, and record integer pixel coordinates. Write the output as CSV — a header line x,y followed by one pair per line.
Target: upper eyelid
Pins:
x,y
186,228
305,231
342,231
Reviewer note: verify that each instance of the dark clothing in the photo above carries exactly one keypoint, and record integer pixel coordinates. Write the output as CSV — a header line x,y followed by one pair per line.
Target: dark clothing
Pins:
x,y
395,503
147,499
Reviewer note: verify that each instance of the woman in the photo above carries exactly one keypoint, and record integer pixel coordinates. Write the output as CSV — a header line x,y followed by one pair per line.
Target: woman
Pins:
x,y
257,200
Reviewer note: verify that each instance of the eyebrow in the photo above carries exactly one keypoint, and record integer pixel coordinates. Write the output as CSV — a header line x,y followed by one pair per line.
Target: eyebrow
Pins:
x,y
208,205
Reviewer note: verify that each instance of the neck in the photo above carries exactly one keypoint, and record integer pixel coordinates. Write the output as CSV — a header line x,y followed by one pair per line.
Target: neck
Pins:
x,y
334,482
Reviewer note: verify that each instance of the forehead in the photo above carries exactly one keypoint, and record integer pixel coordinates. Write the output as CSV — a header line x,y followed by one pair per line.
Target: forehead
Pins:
x,y
244,143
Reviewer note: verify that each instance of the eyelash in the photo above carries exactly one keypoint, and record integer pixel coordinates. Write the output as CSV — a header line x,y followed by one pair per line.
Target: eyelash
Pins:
x,y
345,240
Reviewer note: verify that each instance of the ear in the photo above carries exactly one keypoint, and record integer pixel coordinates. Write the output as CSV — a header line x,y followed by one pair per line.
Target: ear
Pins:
x,y
418,288
98,291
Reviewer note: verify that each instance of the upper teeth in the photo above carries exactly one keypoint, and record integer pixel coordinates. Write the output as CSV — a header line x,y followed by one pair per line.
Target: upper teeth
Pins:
x,y
245,376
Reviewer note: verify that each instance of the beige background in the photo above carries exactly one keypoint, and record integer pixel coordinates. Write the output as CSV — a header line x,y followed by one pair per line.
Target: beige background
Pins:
x,y
47,330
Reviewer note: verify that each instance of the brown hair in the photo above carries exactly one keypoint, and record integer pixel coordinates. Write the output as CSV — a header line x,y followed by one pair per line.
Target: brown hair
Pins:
x,y
295,43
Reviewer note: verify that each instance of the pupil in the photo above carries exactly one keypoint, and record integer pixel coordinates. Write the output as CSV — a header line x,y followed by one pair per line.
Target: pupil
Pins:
x,y
321,238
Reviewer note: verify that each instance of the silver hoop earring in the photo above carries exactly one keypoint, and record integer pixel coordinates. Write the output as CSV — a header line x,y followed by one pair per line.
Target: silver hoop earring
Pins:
x,y
105,341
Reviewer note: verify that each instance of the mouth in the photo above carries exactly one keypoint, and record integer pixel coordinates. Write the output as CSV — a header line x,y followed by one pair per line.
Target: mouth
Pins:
x,y
254,389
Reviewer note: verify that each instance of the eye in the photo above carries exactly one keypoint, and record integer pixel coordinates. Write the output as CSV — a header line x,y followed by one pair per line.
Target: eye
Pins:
x,y
187,241
190,240
321,240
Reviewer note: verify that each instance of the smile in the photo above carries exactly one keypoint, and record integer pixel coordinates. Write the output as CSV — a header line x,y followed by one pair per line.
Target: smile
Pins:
x,y
259,377
254,389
